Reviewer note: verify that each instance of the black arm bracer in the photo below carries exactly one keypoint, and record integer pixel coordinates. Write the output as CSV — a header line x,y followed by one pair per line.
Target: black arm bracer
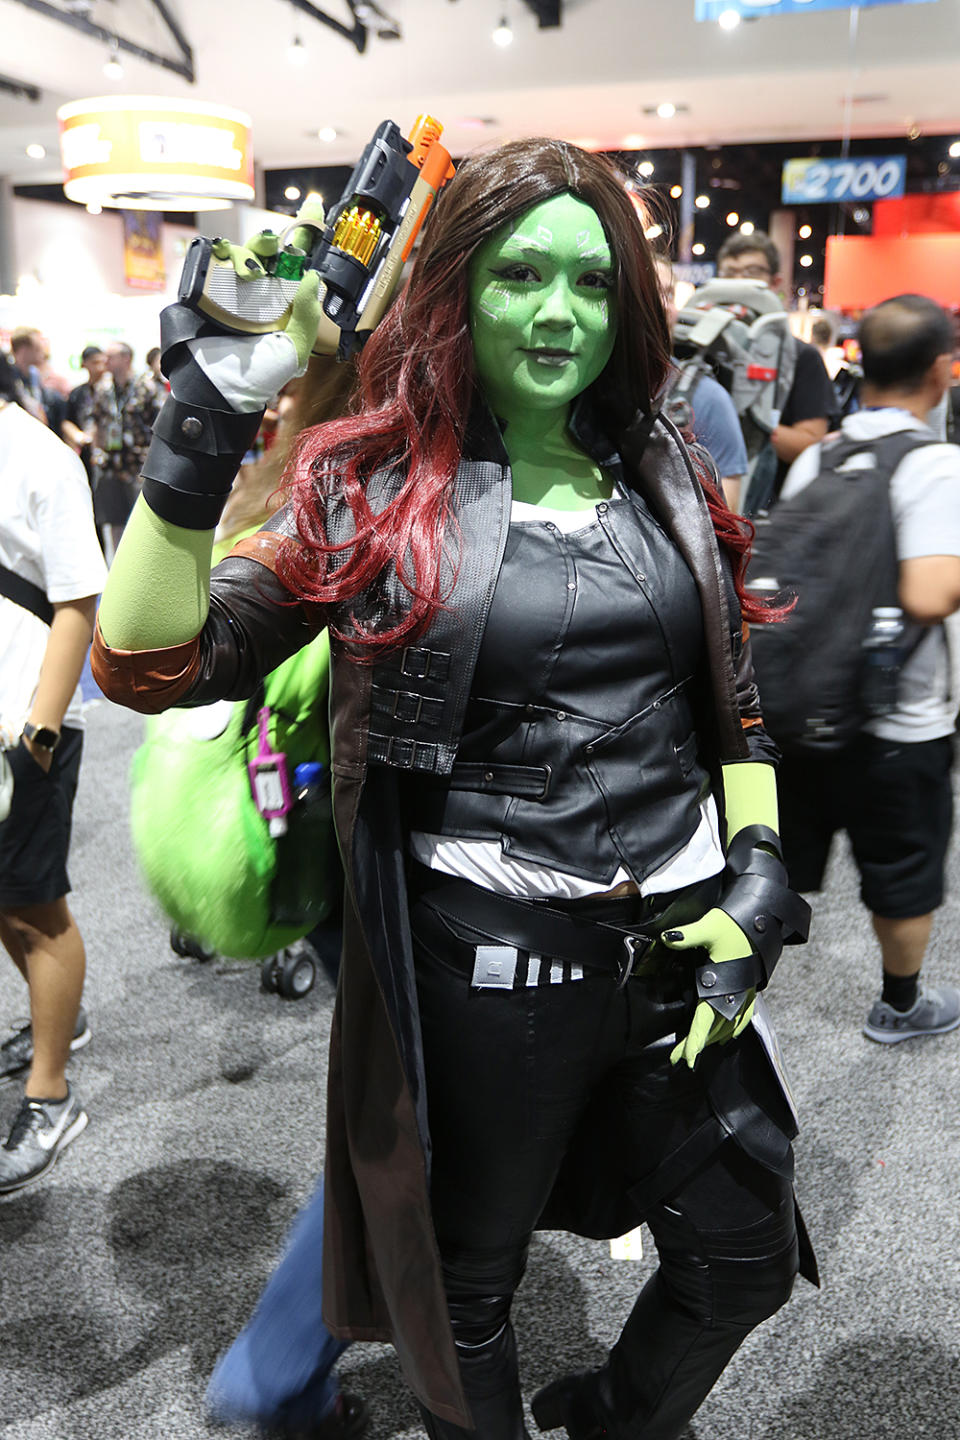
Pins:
x,y
198,443
193,458
770,914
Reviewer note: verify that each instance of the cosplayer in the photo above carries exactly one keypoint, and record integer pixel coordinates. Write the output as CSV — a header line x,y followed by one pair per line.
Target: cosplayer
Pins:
x,y
553,793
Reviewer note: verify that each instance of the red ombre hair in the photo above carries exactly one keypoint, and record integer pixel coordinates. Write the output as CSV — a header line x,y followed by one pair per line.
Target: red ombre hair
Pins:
x,y
417,386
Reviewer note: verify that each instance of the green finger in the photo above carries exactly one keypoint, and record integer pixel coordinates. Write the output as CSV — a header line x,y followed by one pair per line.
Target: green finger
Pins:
x,y
265,242
305,316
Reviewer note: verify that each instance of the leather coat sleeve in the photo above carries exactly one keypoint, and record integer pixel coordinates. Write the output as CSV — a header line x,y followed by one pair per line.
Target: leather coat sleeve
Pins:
x,y
253,625
761,746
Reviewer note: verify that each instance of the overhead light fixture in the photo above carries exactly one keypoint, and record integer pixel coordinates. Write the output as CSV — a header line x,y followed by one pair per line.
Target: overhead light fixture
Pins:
x,y
633,142
747,228
36,152
94,209
728,19
733,219
503,35
702,201
676,191
113,69
954,151
666,110
645,168
297,53
327,134
805,232
698,249
146,152
806,261
653,232
292,192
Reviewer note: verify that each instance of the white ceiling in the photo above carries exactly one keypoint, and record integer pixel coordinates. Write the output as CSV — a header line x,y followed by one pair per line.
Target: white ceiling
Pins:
x,y
783,77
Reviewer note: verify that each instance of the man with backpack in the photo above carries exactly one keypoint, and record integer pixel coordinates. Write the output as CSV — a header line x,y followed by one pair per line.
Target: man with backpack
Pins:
x,y
889,786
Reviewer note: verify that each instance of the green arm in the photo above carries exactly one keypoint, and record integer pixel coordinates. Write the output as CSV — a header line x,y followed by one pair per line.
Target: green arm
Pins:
x,y
158,589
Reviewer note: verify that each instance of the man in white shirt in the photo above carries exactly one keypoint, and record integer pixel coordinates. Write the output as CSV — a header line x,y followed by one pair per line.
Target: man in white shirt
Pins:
x,y
51,572
891,789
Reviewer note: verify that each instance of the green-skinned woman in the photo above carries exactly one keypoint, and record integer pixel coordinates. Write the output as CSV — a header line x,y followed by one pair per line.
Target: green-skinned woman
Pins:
x,y
553,792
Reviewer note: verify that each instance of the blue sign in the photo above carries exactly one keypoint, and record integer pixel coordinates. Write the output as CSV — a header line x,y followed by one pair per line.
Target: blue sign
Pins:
x,y
821,182
713,9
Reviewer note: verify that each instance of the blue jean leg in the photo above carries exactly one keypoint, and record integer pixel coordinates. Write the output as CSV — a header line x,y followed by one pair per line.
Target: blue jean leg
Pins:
x,y
280,1367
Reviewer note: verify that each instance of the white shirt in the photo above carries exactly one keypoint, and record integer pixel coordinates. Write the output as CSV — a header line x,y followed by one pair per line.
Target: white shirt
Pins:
x,y
483,861
925,503
47,536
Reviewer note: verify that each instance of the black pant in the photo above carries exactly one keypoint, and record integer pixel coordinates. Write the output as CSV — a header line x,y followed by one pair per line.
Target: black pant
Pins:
x,y
509,1075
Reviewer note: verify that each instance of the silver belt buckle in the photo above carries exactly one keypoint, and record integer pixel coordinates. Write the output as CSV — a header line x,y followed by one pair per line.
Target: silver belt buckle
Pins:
x,y
494,968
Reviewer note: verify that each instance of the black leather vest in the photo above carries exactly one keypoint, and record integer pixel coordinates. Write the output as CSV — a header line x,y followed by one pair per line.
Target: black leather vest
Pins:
x,y
578,747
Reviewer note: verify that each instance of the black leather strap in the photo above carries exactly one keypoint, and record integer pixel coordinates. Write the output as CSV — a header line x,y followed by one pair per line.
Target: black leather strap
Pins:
x,y
210,432
25,594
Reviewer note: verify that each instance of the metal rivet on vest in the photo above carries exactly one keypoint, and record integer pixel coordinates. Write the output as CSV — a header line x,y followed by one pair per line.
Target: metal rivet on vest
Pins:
x,y
561,714
640,576
530,709
588,750
708,979
657,704
602,508
191,427
571,584
488,776
760,923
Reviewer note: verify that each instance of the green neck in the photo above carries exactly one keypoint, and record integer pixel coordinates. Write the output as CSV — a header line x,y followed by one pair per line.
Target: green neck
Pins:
x,y
548,467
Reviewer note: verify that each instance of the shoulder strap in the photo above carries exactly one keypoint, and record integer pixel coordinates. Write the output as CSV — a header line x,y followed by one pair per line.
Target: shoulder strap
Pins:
x,y
25,594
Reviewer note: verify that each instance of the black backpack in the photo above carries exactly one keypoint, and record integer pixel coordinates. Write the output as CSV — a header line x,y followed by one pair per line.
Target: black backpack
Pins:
x,y
833,546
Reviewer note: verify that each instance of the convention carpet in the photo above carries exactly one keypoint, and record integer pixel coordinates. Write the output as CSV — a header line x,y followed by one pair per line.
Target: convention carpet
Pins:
x,y
125,1274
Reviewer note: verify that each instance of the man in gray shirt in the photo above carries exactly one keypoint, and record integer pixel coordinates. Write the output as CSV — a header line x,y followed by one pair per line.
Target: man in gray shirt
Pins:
x,y
891,789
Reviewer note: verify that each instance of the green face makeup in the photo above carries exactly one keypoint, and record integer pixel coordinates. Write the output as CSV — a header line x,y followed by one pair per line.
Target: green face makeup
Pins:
x,y
542,308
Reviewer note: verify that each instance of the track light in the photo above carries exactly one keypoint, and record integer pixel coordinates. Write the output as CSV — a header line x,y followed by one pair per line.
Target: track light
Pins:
x,y
728,19
503,35
297,52
113,69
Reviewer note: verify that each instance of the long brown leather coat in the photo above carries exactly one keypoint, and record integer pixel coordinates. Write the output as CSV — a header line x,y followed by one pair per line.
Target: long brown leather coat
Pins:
x,y
381,1265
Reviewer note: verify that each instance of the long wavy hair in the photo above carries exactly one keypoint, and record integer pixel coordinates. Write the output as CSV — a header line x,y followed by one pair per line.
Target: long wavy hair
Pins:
x,y
417,384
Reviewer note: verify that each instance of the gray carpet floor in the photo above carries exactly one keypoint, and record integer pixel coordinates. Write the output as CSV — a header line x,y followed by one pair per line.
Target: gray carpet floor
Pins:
x,y
126,1273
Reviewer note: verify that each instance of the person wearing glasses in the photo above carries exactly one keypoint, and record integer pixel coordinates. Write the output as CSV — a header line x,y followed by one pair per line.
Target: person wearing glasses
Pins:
x,y
804,419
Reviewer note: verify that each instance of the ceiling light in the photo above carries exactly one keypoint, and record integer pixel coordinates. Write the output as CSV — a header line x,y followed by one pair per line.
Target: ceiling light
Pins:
x,y
698,249
806,261
297,53
94,209
327,134
292,192
805,232
113,69
503,35
645,168
747,228
702,201
728,19
733,218
676,191
36,152
666,110
633,142
653,232
954,151
802,290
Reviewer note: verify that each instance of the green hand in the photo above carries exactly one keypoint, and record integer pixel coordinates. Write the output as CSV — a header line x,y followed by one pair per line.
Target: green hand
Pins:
x,y
722,937
248,259
308,222
305,316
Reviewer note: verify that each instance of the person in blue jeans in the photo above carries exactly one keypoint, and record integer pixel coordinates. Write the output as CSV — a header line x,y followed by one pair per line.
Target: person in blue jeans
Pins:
x,y
279,1370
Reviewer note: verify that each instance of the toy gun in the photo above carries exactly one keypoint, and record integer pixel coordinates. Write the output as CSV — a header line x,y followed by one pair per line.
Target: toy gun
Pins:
x,y
359,253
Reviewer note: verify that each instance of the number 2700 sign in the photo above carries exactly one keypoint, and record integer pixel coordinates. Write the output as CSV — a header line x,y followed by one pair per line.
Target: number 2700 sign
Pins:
x,y
815,181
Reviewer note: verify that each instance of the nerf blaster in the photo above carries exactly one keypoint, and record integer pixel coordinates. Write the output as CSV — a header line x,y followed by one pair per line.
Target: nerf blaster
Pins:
x,y
359,253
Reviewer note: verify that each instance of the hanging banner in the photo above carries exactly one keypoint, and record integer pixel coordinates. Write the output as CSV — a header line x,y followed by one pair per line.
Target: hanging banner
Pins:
x,y
143,250
713,9
815,181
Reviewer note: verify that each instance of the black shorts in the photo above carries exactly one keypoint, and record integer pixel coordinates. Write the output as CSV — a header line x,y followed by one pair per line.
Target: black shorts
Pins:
x,y
895,802
35,837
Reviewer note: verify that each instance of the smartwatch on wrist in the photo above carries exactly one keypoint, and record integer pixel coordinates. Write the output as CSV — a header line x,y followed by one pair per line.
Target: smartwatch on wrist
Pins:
x,y
42,735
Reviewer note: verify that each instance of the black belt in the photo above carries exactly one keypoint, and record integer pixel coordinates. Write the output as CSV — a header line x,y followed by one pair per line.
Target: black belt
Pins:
x,y
588,939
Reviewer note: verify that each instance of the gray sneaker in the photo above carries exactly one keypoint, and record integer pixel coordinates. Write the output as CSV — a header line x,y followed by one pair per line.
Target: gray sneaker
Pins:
x,y
935,1011
40,1131
16,1054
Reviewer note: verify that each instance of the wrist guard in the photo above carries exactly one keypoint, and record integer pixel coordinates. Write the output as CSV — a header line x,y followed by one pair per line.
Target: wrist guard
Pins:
x,y
757,898
193,458
198,440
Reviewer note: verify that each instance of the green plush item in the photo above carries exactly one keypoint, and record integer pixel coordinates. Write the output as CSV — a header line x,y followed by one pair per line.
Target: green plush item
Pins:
x,y
205,850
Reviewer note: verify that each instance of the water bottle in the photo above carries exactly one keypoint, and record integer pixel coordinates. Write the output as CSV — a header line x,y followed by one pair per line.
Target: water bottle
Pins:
x,y
882,659
301,886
